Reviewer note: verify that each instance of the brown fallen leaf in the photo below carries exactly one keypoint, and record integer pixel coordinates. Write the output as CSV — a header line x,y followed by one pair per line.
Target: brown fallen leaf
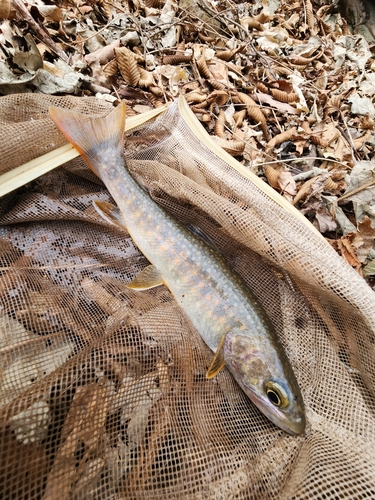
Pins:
x,y
348,252
7,10
363,240
26,461
234,148
324,220
84,425
287,185
282,96
311,188
282,106
127,66
39,31
103,55
287,135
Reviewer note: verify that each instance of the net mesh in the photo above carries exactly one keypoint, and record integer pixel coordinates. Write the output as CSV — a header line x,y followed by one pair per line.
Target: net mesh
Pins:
x,y
102,389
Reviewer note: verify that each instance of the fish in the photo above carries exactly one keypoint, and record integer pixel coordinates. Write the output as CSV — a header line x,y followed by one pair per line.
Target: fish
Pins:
x,y
222,308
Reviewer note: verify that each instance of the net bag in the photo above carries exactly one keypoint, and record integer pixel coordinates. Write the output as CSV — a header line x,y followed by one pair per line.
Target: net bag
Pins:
x,y
103,393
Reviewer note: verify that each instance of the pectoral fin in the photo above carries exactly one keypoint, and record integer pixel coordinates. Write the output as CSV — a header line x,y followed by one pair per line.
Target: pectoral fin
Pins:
x,y
149,277
218,362
109,213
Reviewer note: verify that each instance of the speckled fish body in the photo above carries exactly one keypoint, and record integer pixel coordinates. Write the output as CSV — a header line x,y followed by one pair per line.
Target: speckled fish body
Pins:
x,y
222,309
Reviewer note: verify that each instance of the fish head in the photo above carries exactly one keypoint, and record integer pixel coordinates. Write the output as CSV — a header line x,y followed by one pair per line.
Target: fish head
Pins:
x,y
264,373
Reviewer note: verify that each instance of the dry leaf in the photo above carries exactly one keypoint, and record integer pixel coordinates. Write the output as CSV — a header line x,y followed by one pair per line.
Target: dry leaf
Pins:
x,y
348,252
250,23
272,175
234,148
253,110
203,68
220,124
127,66
282,96
29,461
7,9
363,240
146,78
360,141
288,135
84,424
287,185
195,96
282,106
324,220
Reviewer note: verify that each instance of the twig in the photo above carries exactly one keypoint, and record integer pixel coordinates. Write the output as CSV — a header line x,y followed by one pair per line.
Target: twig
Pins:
x,y
102,29
301,159
219,15
207,27
355,191
349,138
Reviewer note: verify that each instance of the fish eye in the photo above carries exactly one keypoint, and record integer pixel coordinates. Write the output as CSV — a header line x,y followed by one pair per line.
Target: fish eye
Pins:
x,y
276,394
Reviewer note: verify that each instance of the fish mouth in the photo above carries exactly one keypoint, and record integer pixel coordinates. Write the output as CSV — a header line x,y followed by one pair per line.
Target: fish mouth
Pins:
x,y
294,428
292,422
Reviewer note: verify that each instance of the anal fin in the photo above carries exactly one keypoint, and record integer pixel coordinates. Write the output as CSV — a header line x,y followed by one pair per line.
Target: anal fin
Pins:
x,y
148,278
218,363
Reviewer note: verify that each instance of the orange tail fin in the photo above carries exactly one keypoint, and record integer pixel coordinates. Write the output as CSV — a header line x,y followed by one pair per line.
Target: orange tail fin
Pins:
x,y
90,136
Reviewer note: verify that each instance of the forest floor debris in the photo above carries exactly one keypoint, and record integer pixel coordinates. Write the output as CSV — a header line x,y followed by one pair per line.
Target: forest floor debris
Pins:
x,y
286,88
